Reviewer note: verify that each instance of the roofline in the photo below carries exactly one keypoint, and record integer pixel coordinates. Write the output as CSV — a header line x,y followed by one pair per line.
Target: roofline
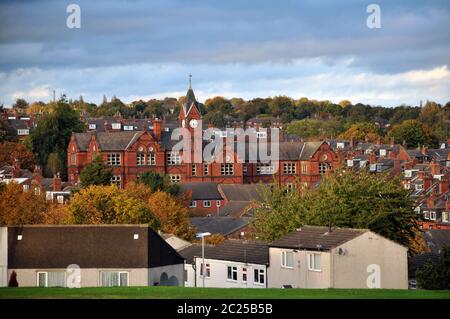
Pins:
x,y
80,225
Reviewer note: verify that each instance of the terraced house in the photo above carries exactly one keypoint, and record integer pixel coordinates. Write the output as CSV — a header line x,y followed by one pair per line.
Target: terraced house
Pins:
x,y
131,153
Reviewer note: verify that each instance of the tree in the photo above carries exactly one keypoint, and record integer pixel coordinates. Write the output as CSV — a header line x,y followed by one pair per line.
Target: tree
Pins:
x,y
95,173
157,182
10,152
20,105
362,131
12,283
343,199
218,104
172,214
54,164
413,133
435,275
309,128
53,132
19,208
109,205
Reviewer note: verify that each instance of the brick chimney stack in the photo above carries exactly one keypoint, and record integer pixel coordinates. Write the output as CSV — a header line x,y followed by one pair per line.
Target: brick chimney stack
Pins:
x,y
430,200
57,183
435,168
447,204
444,184
157,128
424,150
16,168
427,179
352,142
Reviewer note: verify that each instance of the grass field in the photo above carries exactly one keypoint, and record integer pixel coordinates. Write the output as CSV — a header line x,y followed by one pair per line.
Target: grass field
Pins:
x,y
218,293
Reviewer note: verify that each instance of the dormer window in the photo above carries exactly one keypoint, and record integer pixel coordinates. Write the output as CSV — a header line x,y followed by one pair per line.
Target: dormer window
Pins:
x,y
116,126
92,126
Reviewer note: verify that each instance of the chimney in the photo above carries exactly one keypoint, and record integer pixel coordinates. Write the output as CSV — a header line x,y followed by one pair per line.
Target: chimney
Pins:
x,y
426,181
107,126
424,150
57,182
447,204
392,141
16,168
157,129
444,184
430,200
352,142
435,168
372,158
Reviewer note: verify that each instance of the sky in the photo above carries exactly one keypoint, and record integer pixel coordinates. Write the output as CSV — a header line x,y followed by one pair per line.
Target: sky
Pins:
x,y
320,49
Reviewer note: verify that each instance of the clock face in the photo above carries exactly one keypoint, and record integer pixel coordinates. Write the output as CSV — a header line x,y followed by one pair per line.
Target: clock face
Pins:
x,y
183,123
324,157
193,123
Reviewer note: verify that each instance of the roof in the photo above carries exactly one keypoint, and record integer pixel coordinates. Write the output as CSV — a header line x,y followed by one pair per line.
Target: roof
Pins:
x,y
108,141
89,246
219,225
234,208
254,252
240,192
316,238
202,190
437,239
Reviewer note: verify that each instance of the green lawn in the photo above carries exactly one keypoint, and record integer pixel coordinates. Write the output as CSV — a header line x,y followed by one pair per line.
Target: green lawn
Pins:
x,y
217,293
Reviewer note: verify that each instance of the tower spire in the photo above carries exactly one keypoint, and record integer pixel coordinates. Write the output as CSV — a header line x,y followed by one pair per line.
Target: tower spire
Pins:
x,y
190,81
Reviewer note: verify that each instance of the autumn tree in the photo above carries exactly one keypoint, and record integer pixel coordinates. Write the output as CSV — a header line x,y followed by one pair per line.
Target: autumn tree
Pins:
x,y
109,205
95,173
10,152
19,208
362,131
172,214
413,133
158,182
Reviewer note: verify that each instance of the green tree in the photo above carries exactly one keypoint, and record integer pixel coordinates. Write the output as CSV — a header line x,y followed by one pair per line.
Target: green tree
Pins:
x,y
413,133
21,105
53,132
54,164
435,275
95,173
158,182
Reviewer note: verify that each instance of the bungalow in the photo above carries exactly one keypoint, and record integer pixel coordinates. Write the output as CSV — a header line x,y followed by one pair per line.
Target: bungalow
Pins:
x,y
315,257
231,264
106,255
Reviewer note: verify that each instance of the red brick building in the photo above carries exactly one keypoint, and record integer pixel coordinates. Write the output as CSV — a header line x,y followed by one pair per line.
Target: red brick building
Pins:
x,y
131,153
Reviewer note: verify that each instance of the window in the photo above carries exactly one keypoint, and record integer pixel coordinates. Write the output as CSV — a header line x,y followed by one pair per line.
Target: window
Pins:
x,y
173,158
73,159
227,169
113,159
289,168
193,169
114,278
207,270
287,259
206,203
37,191
174,178
218,204
314,262
445,216
324,167
290,187
193,204
23,132
232,273
151,160
259,276
116,179
60,199
51,279
128,127
140,159
304,168
244,274
244,169
205,169
116,126
265,169
26,187
433,215
92,126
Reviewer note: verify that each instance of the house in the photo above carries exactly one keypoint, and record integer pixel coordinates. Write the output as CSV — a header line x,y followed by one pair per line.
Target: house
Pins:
x,y
227,226
437,239
315,257
231,264
205,198
107,255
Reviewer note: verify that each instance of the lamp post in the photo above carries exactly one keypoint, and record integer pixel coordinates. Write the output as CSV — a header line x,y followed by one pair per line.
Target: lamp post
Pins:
x,y
202,268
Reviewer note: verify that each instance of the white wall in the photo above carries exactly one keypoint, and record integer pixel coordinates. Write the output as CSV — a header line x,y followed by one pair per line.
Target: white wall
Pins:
x,y
219,270
3,256
189,280
172,272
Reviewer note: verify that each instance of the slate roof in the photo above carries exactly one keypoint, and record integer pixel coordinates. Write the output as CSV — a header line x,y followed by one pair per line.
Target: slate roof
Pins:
x,y
254,252
108,141
316,238
202,190
240,192
219,225
234,208
437,239
89,246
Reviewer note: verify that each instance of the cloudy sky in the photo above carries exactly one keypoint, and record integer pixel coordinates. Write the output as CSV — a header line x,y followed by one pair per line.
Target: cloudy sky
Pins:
x,y
246,48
